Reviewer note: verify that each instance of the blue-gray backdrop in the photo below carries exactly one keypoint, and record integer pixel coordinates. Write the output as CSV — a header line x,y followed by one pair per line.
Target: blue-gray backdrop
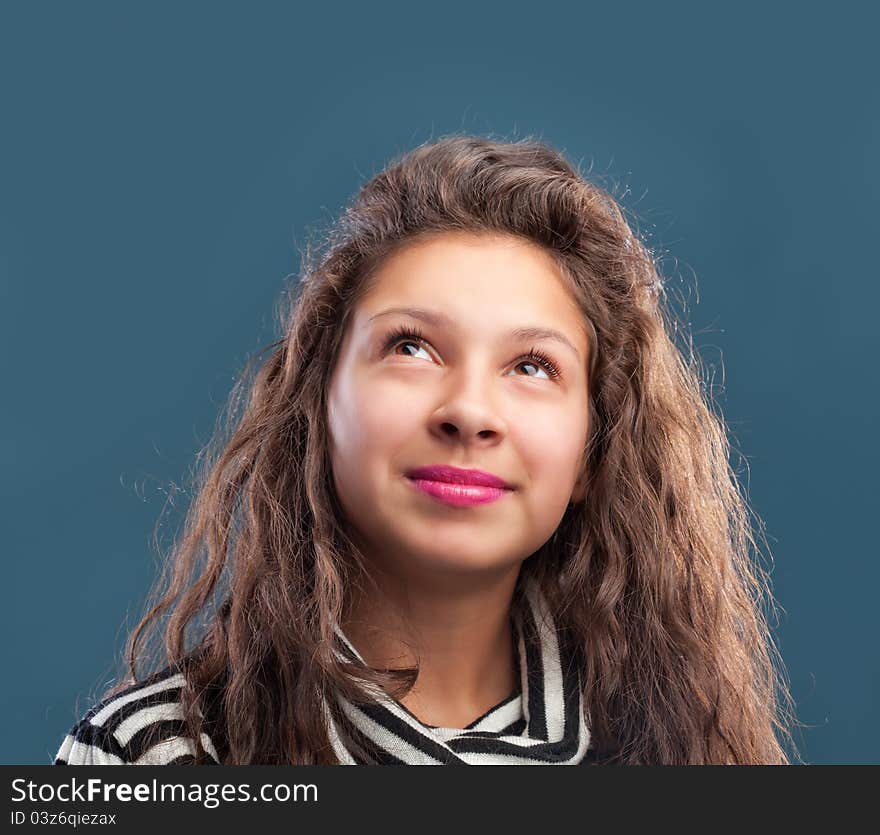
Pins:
x,y
161,163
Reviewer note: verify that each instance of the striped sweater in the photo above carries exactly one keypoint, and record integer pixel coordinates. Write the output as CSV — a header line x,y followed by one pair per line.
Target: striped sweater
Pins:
x,y
143,725
544,723
140,725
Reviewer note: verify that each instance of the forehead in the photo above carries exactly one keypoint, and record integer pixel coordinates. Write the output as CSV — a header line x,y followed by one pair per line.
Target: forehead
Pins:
x,y
478,281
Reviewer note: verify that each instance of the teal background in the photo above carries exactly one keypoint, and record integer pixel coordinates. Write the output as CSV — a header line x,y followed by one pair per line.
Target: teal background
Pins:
x,y
161,163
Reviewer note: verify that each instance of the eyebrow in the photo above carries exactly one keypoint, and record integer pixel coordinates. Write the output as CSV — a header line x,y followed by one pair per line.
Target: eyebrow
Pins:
x,y
437,319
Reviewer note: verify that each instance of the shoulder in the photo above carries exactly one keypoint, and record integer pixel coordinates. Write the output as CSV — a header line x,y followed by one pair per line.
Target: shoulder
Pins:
x,y
139,725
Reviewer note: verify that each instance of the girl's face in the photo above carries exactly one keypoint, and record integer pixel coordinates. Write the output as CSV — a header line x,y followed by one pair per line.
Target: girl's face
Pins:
x,y
457,387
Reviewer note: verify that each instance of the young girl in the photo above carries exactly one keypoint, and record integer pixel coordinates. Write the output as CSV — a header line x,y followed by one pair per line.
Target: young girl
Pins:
x,y
477,509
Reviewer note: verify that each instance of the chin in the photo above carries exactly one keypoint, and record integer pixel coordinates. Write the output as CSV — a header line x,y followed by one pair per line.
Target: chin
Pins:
x,y
459,554
463,568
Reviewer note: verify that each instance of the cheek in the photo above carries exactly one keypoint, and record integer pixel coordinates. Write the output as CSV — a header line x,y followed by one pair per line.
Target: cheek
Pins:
x,y
366,419
551,444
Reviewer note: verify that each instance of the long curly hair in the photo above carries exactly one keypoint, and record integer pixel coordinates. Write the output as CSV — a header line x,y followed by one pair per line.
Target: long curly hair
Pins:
x,y
656,574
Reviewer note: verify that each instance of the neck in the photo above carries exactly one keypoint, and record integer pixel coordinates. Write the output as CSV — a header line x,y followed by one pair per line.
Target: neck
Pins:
x,y
457,631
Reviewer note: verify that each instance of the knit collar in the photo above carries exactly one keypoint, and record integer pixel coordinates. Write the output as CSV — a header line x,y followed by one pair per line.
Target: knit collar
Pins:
x,y
544,724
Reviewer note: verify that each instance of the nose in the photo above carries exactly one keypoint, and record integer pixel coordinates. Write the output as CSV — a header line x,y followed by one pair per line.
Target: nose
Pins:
x,y
467,413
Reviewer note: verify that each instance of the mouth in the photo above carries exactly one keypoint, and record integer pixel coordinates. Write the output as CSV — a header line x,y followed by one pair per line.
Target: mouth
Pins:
x,y
457,487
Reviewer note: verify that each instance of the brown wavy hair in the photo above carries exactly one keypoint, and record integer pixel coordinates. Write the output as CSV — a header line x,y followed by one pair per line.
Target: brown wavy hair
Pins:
x,y
657,573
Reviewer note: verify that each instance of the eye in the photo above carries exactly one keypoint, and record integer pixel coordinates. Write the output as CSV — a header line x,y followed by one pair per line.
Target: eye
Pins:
x,y
538,359
409,335
403,336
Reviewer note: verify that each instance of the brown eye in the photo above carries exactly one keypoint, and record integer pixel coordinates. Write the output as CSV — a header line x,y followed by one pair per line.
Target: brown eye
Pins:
x,y
403,336
407,335
407,342
538,358
533,365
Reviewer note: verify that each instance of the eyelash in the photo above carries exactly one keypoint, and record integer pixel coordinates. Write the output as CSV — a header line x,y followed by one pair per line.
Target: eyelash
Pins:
x,y
413,334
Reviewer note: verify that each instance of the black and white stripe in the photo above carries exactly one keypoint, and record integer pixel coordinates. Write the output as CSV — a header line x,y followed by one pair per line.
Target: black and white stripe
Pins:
x,y
140,725
545,724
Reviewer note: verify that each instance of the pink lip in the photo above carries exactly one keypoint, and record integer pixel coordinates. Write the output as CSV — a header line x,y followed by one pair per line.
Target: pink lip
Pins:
x,y
454,486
